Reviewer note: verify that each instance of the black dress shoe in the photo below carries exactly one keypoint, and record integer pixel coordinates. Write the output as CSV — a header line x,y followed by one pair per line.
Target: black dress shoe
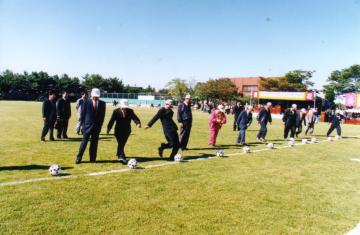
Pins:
x,y
42,139
161,151
58,137
52,139
65,137
122,160
78,161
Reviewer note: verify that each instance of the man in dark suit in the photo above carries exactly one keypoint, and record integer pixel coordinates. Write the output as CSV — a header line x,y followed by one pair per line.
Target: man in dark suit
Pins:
x,y
236,110
49,116
92,118
122,116
264,117
184,117
63,110
335,123
243,122
289,120
165,114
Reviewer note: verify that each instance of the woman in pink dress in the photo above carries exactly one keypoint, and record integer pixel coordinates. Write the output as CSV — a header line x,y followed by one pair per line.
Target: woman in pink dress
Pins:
x,y
217,119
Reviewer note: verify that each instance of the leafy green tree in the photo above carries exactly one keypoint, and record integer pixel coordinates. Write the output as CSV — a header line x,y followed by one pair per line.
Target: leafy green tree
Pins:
x,y
344,81
297,80
220,89
92,80
177,88
113,85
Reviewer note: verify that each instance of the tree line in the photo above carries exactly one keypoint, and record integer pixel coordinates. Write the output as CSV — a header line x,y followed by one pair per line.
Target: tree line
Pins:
x,y
31,86
34,85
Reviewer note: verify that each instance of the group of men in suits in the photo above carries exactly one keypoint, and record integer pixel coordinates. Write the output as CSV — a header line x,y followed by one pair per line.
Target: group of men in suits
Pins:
x,y
56,114
91,114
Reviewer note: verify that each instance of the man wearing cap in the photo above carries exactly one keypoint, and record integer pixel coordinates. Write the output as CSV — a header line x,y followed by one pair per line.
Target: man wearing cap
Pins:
x,y
92,118
122,116
335,123
184,117
243,122
217,119
165,114
49,116
289,120
263,118
63,110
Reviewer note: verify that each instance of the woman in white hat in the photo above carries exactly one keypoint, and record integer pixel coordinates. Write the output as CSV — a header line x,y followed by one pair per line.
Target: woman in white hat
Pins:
x,y
122,116
217,119
165,114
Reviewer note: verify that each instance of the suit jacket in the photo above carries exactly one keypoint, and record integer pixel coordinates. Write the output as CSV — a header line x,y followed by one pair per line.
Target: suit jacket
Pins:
x,y
300,118
166,118
63,109
237,110
290,118
49,110
91,119
244,120
264,116
123,118
184,112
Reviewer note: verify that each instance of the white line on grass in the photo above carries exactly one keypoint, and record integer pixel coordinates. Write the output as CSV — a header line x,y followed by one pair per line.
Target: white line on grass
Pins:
x,y
355,159
128,169
354,231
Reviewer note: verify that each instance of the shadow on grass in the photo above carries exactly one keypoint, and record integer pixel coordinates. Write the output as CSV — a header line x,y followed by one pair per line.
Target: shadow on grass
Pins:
x,y
28,168
79,139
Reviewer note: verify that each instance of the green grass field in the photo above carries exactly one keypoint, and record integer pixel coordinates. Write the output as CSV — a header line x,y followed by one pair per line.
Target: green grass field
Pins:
x,y
308,189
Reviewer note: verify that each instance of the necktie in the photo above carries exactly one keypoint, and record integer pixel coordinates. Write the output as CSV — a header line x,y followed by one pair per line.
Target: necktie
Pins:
x,y
94,105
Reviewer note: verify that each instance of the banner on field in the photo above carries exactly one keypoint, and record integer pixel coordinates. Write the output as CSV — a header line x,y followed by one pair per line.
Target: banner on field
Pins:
x,y
350,99
284,95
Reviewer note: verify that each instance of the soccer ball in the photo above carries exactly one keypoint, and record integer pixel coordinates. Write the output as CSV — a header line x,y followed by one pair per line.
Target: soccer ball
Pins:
x,y
304,141
54,170
270,145
313,140
337,137
132,163
291,143
178,157
219,153
330,138
246,149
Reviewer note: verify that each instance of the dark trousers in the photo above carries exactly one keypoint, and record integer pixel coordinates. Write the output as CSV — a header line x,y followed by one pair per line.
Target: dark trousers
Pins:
x,y
62,128
173,142
290,128
263,131
121,139
235,127
48,125
299,130
310,128
332,127
241,136
185,133
93,145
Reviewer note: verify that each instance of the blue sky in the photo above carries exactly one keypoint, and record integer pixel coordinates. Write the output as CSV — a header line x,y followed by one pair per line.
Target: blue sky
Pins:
x,y
152,41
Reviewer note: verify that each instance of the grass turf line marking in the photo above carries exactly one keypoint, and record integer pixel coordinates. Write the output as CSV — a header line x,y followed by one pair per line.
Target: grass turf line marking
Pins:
x,y
354,231
128,169
355,159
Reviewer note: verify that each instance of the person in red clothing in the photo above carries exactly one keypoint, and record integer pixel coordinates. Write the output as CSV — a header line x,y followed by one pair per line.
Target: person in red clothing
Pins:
x,y
217,119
